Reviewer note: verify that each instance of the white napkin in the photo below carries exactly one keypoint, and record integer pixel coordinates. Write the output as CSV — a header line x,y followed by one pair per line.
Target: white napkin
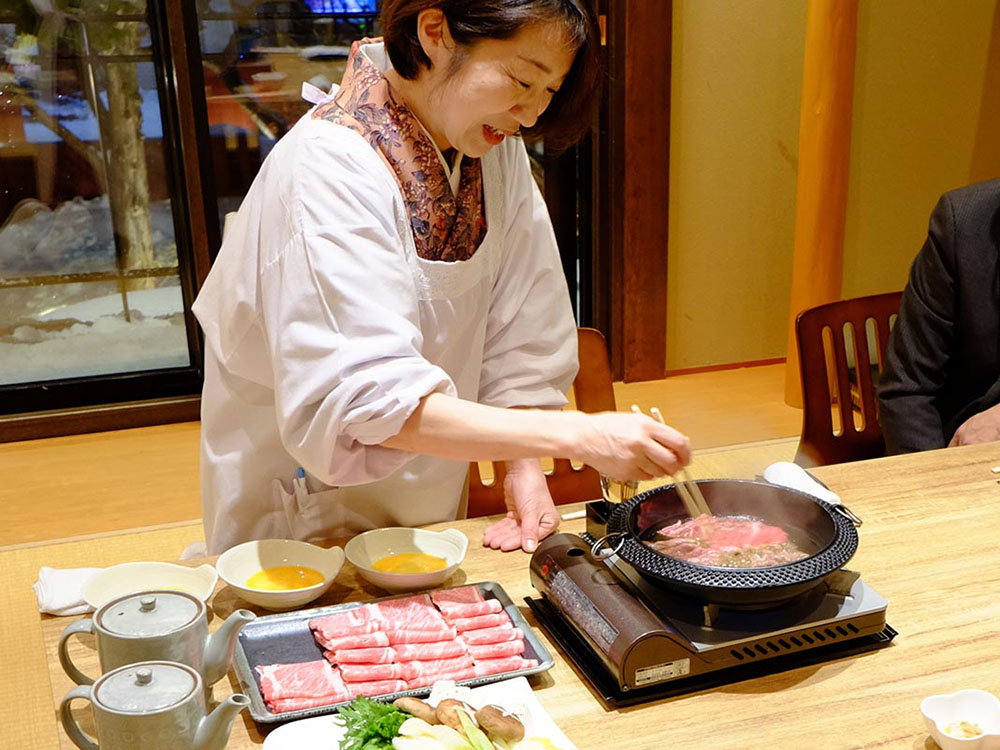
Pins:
x,y
60,591
791,475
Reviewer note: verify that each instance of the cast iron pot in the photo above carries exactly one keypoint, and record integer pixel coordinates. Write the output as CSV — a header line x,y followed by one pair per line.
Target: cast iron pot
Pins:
x,y
825,532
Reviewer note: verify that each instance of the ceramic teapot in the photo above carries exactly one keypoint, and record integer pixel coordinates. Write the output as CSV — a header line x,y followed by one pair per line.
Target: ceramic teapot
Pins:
x,y
157,625
151,705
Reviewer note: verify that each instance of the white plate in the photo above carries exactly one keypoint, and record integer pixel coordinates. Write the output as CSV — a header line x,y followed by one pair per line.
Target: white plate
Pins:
x,y
133,577
317,732
516,695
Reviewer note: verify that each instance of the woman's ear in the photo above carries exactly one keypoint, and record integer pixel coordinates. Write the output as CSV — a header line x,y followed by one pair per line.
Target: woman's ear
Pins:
x,y
435,37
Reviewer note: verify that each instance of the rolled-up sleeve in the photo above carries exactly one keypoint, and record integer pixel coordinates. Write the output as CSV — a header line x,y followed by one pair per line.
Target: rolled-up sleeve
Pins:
x,y
341,319
530,353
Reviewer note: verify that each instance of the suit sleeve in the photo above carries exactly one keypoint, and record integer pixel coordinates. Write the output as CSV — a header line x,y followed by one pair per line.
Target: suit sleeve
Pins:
x,y
922,343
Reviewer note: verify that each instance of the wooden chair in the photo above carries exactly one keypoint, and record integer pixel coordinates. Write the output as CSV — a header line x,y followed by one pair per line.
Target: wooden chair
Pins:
x,y
593,392
839,379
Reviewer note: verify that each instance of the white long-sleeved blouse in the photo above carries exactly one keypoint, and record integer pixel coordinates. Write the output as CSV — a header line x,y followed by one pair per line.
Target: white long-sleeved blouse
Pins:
x,y
324,329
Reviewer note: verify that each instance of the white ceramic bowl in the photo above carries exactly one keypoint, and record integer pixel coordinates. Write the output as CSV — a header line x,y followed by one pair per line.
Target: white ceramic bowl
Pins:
x,y
975,706
238,563
133,577
371,546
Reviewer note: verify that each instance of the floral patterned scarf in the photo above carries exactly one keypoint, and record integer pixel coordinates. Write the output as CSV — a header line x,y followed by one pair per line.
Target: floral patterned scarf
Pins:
x,y
446,227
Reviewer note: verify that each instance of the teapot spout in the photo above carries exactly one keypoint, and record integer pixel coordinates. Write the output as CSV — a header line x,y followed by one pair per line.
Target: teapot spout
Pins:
x,y
221,645
213,731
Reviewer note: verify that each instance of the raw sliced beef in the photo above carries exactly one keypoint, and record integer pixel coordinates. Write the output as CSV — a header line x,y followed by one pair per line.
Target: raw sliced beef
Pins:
x,y
460,595
491,635
377,687
378,639
284,705
371,672
425,651
419,636
452,611
495,620
465,673
409,613
497,650
507,664
304,680
413,670
340,624
365,656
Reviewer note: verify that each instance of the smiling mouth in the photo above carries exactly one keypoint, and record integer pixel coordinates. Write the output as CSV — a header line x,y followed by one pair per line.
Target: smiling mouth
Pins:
x,y
497,134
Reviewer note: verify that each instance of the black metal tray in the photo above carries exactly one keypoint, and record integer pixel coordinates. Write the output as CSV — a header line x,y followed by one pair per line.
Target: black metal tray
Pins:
x,y
286,639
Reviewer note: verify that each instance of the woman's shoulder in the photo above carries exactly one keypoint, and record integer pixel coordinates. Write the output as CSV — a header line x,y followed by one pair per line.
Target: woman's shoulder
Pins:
x,y
321,151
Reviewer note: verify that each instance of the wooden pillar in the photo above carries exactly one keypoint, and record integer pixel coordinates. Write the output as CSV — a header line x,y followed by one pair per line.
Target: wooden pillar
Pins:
x,y
630,193
824,166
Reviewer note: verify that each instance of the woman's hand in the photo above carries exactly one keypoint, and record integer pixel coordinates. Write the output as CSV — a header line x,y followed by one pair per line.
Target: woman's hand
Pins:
x,y
531,514
629,446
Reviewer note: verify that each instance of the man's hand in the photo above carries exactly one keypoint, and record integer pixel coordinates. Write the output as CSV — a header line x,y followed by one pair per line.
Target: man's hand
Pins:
x,y
979,428
531,514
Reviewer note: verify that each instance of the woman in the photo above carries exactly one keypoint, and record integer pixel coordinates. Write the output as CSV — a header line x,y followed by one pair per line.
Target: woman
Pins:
x,y
389,303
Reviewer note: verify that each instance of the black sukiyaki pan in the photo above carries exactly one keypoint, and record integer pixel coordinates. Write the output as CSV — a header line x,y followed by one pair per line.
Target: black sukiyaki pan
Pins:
x,y
819,538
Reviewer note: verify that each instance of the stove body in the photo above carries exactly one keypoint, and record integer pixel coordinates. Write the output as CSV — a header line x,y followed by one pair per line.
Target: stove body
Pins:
x,y
634,640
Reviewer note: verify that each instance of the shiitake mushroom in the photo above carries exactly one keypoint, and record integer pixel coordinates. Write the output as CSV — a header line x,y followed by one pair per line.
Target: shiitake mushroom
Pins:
x,y
500,725
447,713
497,723
416,707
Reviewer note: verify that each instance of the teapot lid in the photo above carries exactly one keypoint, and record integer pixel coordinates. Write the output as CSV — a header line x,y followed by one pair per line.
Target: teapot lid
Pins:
x,y
146,687
149,613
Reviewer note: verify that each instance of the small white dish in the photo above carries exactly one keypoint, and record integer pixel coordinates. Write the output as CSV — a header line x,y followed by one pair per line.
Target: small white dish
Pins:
x,y
314,732
131,578
366,549
974,706
238,563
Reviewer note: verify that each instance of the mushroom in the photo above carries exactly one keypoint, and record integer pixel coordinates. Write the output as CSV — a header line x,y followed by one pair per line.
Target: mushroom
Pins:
x,y
500,725
447,713
416,707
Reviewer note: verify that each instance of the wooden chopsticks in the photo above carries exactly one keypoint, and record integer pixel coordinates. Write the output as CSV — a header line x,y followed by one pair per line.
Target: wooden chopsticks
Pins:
x,y
687,488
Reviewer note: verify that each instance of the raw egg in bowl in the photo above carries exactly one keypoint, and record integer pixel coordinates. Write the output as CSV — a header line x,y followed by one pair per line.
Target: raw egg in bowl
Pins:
x,y
402,559
279,574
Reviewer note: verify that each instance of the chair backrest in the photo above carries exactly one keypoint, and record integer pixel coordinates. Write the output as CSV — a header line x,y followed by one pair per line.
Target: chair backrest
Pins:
x,y
593,391
837,343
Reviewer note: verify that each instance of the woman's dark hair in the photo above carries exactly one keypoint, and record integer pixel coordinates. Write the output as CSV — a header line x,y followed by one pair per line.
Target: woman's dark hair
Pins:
x,y
568,116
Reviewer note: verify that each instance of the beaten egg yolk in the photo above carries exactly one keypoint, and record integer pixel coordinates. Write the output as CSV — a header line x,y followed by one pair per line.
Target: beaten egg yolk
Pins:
x,y
410,562
283,578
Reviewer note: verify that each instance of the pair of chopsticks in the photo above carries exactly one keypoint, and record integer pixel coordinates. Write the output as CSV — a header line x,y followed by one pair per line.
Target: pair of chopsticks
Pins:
x,y
688,489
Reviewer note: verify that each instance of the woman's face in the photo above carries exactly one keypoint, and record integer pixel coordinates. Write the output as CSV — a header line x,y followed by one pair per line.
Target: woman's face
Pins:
x,y
499,87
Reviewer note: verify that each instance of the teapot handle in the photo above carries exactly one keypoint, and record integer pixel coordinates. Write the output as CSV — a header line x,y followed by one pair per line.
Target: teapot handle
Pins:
x,y
85,625
69,723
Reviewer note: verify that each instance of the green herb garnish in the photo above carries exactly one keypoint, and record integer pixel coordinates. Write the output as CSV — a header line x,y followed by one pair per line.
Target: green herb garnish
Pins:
x,y
370,725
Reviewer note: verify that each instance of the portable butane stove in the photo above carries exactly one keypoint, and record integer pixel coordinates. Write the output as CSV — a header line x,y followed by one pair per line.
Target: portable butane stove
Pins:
x,y
634,640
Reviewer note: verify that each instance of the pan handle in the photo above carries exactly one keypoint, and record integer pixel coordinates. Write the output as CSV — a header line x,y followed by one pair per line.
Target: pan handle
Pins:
x,y
595,548
847,513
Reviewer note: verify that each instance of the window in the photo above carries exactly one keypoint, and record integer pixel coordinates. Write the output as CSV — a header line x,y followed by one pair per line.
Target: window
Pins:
x,y
95,279
129,129
255,58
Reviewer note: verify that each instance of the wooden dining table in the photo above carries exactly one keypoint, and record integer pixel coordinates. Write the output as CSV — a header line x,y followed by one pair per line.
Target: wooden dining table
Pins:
x,y
928,544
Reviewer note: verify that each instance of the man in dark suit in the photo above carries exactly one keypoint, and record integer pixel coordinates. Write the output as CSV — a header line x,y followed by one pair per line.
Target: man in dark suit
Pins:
x,y
941,381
